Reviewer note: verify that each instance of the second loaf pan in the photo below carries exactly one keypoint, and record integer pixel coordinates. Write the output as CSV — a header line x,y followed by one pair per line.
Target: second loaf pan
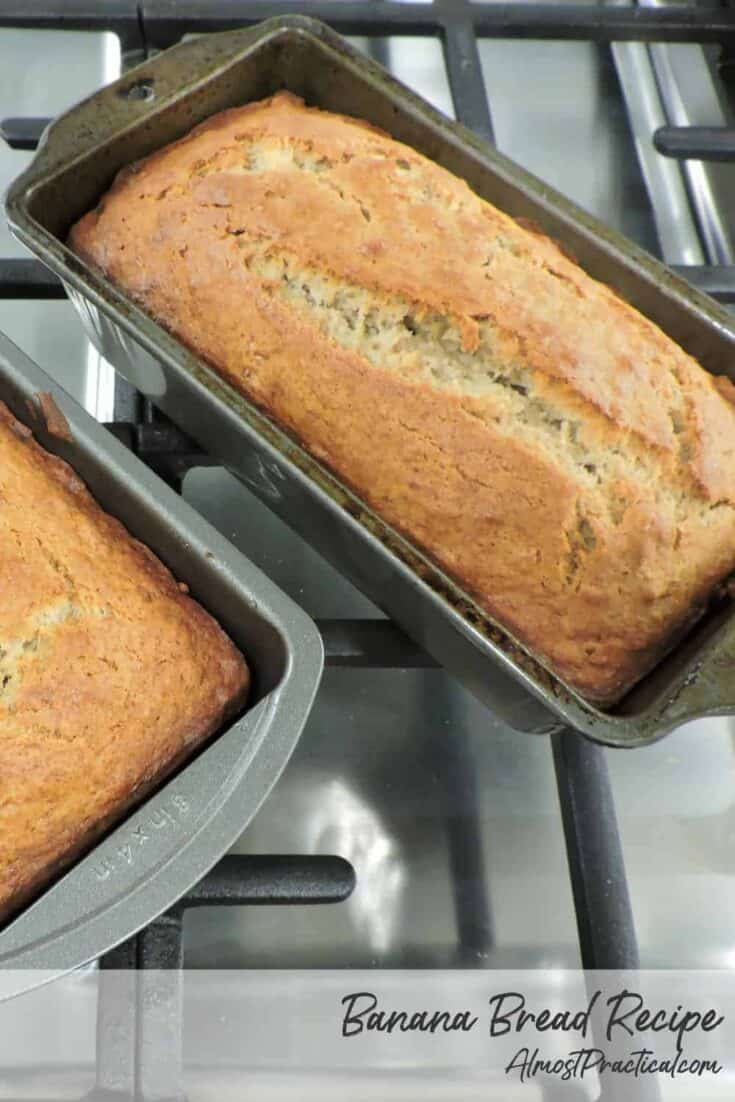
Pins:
x,y
159,102
173,838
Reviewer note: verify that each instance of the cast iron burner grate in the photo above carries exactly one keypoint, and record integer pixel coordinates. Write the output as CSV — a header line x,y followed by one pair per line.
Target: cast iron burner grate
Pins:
x,y
601,898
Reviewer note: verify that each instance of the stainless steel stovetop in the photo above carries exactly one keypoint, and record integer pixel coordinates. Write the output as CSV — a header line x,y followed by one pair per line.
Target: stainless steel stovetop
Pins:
x,y
368,780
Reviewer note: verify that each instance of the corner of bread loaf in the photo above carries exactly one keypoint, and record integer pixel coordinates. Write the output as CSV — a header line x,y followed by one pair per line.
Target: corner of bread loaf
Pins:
x,y
282,98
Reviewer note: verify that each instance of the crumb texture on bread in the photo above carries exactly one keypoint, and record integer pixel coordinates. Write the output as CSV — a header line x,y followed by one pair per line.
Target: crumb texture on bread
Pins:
x,y
109,674
563,459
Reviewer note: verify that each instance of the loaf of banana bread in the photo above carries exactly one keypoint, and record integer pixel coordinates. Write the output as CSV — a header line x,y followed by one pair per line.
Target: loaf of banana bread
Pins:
x,y
109,674
554,451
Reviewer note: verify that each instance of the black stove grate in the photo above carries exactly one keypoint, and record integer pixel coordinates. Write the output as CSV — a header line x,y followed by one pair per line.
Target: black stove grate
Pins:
x,y
602,902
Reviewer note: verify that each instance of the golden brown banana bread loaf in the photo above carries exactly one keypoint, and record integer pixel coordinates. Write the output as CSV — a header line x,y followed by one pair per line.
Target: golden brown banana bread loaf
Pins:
x,y
109,674
558,455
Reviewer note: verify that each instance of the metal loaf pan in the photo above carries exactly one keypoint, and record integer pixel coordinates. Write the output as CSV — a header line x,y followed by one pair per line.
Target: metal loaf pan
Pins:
x,y
161,100
166,846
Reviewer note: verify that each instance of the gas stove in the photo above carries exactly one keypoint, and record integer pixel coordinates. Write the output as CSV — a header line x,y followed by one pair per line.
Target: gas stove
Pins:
x,y
472,846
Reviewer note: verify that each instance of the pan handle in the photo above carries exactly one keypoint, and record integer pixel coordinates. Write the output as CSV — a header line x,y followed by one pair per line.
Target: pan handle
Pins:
x,y
149,87
708,689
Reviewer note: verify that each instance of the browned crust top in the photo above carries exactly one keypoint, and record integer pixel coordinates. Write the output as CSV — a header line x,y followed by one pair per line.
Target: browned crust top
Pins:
x,y
109,673
549,446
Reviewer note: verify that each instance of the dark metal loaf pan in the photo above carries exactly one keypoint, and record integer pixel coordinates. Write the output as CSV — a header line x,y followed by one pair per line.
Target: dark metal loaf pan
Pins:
x,y
82,152
171,841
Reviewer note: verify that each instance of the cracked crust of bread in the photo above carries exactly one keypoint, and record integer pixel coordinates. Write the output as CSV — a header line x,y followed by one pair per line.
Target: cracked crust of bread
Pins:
x,y
559,456
109,675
